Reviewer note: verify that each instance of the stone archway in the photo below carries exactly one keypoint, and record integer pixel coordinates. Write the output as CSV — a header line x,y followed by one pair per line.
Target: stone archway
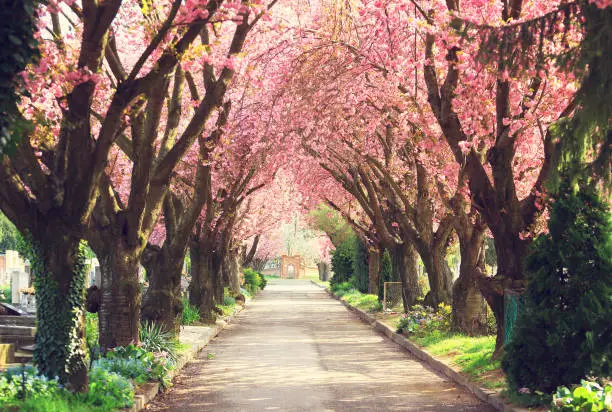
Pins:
x,y
291,267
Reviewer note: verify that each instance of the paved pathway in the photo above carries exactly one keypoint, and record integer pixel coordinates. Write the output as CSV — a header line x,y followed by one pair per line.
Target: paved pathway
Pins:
x,y
296,349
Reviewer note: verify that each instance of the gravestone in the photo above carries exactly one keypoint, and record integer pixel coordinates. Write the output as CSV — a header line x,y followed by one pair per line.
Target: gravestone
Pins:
x,y
19,280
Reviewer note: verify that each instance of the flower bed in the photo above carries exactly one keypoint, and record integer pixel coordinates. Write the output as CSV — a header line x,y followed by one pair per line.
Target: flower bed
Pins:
x,y
113,378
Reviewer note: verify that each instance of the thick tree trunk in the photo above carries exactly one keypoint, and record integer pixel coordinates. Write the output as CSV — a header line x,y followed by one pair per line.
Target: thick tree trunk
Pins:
x,y
439,274
201,288
120,306
469,306
60,283
231,270
493,293
374,268
510,252
162,302
404,263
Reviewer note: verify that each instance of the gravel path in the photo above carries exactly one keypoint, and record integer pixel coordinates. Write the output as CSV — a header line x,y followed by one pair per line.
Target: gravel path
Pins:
x,y
296,349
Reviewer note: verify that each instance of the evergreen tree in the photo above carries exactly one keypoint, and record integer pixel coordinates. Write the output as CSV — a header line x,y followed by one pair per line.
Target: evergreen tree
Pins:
x,y
361,276
342,260
564,331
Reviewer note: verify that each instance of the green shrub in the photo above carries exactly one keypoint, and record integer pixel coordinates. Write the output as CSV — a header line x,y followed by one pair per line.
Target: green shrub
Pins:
x,y
342,261
423,320
137,363
229,301
153,338
11,384
360,276
563,332
108,390
191,314
252,280
341,289
263,281
588,396
133,369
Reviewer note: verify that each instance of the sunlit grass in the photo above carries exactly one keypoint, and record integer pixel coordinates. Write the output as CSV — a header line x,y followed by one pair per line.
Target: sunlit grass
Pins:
x,y
469,354
363,301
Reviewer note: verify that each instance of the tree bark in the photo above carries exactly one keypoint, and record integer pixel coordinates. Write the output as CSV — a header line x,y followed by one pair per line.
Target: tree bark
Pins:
x,y
231,272
202,288
374,268
162,302
469,306
404,260
120,305
439,275
60,308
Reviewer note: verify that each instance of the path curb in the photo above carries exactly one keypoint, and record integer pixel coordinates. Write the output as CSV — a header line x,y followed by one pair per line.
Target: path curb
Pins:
x,y
148,391
486,395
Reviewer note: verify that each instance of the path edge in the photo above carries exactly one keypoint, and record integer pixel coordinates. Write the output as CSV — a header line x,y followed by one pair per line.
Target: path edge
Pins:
x,y
148,391
488,396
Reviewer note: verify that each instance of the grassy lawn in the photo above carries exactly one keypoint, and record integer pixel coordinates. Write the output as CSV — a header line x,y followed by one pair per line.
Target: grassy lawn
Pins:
x,y
367,303
471,355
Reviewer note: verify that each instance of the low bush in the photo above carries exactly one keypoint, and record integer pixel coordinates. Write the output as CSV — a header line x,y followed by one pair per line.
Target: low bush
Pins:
x,y
253,280
153,338
133,369
423,319
263,281
191,314
588,396
229,301
108,390
136,363
12,385
341,289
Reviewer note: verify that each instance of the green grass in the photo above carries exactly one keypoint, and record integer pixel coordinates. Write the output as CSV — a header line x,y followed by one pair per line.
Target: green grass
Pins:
x,y
227,309
363,301
472,354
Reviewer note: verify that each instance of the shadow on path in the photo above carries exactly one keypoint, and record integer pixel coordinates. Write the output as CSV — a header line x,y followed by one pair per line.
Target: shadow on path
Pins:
x,y
295,349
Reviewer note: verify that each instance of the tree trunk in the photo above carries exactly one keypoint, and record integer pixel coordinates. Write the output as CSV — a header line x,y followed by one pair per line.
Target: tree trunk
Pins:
x,y
120,306
231,270
510,251
469,306
404,263
219,283
162,302
439,274
60,348
494,295
201,288
374,268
